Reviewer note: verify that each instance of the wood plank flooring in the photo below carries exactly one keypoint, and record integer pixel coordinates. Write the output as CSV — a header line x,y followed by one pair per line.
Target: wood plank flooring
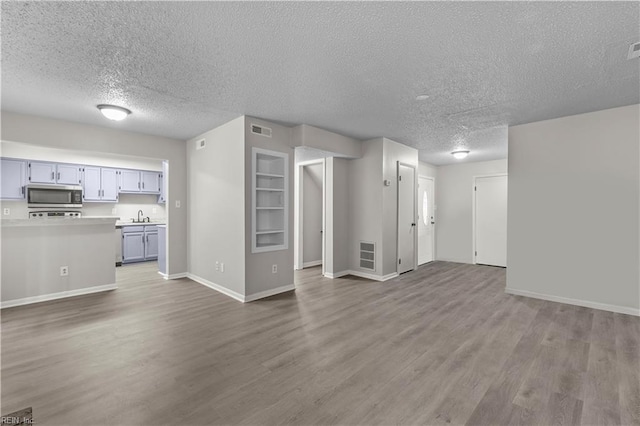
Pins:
x,y
441,345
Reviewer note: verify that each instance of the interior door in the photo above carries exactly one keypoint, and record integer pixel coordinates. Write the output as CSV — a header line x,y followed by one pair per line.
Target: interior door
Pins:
x,y
406,218
426,222
491,220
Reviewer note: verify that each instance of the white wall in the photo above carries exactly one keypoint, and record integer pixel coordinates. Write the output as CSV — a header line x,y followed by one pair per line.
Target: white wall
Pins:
x,y
574,195
427,170
393,152
337,221
217,212
258,265
454,213
66,135
312,213
309,136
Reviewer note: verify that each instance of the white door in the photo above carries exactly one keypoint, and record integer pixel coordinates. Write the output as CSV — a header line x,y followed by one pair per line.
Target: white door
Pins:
x,y
491,220
406,218
312,181
426,222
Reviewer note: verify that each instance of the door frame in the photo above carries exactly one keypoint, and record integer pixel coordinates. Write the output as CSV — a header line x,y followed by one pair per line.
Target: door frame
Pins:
x,y
298,212
433,240
415,210
473,211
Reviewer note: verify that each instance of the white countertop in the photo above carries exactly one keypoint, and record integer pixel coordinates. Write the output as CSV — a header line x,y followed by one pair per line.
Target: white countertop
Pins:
x,y
60,221
152,223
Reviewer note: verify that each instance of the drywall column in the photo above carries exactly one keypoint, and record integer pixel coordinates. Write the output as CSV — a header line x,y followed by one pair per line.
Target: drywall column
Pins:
x,y
573,220
337,218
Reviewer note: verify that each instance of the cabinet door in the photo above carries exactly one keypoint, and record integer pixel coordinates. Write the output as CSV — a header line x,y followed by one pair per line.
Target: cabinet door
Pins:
x,y
42,172
68,174
91,184
13,179
151,245
150,182
129,181
164,183
109,184
132,247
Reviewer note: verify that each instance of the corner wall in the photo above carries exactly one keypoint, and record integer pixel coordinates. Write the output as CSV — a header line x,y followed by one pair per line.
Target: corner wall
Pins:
x,y
574,220
216,214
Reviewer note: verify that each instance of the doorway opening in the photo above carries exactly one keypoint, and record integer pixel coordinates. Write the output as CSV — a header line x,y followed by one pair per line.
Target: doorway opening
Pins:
x,y
309,240
406,218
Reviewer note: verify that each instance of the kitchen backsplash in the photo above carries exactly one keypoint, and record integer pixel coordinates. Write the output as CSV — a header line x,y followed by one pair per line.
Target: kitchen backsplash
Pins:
x,y
125,209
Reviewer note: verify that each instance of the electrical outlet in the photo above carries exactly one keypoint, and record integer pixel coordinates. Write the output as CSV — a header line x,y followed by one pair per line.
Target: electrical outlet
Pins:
x,y
64,271
6,211
221,266
177,204
217,266
274,269
154,210
113,210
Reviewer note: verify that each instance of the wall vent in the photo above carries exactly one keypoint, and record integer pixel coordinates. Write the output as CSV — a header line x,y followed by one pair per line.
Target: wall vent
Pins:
x,y
634,51
261,130
201,144
367,255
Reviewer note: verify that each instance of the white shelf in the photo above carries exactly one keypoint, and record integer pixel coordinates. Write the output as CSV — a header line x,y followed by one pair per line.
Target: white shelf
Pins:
x,y
270,187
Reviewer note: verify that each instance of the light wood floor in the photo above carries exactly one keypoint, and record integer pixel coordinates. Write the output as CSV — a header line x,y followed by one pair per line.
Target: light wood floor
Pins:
x,y
442,345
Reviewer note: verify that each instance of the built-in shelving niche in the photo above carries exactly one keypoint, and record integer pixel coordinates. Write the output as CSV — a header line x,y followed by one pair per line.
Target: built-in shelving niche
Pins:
x,y
270,200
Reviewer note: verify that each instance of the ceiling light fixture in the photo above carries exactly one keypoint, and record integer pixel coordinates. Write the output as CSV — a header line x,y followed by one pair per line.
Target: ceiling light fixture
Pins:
x,y
459,155
113,112
422,97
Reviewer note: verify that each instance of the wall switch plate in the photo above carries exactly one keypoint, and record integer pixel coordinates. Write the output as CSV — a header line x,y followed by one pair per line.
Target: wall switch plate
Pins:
x,y
154,210
64,271
221,266
274,269
177,204
113,210
6,211
217,265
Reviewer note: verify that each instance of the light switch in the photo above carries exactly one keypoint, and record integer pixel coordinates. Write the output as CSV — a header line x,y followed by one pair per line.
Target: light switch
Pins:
x,y
177,204
6,211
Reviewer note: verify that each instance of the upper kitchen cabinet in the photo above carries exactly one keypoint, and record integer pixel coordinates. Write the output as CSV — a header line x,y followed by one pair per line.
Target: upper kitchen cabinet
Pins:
x,y
136,181
100,184
14,176
53,173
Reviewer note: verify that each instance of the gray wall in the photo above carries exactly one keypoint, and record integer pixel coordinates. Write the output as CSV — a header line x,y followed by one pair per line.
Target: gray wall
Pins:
x,y
427,170
216,214
82,137
337,220
454,208
573,225
305,135
393,152
312,213
258,265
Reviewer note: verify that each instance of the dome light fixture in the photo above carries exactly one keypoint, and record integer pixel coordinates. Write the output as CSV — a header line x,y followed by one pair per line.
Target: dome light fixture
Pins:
x,y
113,112
460,154
422,97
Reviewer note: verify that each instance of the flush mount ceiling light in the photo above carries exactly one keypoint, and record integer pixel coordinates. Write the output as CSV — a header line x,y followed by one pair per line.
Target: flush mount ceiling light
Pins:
x,y
459,155
422,97
113,112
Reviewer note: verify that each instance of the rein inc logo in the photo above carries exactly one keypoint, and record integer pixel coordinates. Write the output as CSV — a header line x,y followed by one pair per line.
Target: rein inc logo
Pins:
x,y
22,417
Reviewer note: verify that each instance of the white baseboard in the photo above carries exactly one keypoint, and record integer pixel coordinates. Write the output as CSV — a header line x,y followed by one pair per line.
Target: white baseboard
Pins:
x,y
576,302
177,276
163,275
336,274
312,263
373,276
217,287
54,296
267,293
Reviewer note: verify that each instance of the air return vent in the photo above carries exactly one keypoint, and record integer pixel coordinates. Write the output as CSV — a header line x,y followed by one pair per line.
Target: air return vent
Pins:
x,y
201,144
367,255
261,130
634,51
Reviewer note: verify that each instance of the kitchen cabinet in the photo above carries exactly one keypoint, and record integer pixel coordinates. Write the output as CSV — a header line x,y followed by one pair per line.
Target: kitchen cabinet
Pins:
x,y
162,251
100,184
14,176
139,243
140,181
54,173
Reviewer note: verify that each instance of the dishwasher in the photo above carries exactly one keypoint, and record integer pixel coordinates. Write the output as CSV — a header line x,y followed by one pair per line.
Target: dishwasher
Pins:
x,y
118,245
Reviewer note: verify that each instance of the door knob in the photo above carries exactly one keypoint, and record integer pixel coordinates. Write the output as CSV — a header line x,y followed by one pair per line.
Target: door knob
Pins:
x,y
413,224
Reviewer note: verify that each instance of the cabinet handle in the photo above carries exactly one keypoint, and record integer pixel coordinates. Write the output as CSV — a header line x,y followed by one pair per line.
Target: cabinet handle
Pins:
x,y
58,175
138,185
53,175
142,185
22,189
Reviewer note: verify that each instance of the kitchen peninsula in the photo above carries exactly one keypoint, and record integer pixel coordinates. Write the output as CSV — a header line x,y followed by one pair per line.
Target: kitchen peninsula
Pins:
x,y
46,259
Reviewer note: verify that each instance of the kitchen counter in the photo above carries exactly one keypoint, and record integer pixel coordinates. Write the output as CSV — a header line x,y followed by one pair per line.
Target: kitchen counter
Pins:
x,y
153,222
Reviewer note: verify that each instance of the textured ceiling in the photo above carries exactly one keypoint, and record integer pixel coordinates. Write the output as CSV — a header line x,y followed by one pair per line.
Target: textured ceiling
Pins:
x,y
350,67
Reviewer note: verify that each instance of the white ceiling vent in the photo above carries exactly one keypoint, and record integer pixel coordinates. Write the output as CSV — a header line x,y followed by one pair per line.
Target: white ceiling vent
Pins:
x,y
260,130
201,144
634,51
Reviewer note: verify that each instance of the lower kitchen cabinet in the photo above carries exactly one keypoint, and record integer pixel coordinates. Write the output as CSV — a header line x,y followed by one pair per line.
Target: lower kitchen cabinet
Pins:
x,y
139,243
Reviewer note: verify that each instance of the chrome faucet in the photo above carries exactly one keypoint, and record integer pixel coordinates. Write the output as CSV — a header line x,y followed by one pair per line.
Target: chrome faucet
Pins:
x,y
140,213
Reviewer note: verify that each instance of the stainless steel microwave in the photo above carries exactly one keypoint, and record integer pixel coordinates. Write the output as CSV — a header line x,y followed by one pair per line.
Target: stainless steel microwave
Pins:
x,y
54,196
